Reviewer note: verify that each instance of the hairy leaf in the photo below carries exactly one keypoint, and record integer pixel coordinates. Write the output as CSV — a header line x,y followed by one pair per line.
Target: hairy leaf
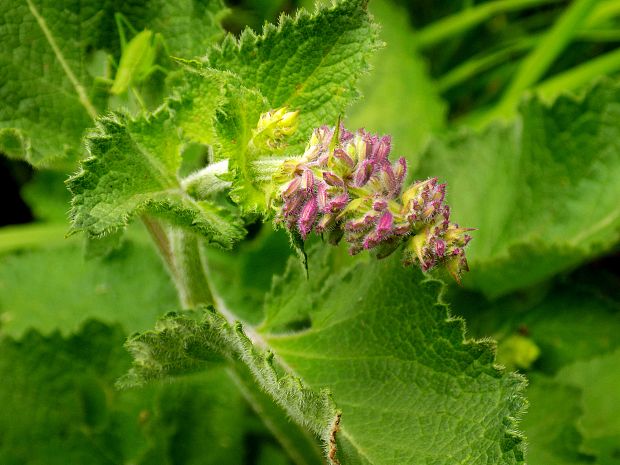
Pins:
x,y
542,192
401,374
189,343
54,55
310,63
132,169
410,388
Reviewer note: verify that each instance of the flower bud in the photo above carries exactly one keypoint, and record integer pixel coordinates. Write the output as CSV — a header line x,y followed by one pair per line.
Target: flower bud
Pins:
x,y
345,187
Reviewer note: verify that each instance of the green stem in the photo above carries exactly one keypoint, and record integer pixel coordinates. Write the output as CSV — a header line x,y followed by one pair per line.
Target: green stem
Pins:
x,y
299,443
180,251
190,270
464,20
207,181
190,277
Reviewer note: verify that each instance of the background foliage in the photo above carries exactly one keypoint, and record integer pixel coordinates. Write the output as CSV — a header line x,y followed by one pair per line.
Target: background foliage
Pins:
x,y
513,102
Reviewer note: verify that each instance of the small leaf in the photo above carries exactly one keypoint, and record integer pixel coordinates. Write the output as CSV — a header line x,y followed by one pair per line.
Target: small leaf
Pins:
x,y
132,169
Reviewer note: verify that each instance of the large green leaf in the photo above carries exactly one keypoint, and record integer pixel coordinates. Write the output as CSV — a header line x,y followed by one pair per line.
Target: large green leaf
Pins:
x,y
598,379
310,63
542,192
572,414
407,386
551,423
57,290
60,406
54,52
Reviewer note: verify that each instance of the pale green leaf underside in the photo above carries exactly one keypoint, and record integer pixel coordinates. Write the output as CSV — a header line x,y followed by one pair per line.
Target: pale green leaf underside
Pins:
x,y
309,63
49,94
543,193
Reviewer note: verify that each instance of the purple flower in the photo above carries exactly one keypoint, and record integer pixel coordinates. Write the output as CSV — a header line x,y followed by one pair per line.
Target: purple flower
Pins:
x,y
350,190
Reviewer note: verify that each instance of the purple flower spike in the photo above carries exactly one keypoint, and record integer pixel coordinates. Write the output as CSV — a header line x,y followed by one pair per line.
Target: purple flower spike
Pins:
x,y
350,190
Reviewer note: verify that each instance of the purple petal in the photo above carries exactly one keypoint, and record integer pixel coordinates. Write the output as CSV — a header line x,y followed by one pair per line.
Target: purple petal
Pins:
x,y
333,180
363,173
307,217
344,157
321,196
337,203
307,180
385,223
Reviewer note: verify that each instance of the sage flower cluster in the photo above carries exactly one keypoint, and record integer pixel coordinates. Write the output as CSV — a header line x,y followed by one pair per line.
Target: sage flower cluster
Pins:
x,y
345,187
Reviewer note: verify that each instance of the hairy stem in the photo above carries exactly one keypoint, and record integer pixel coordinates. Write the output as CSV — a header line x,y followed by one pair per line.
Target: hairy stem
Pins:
x,y
182,254
191,280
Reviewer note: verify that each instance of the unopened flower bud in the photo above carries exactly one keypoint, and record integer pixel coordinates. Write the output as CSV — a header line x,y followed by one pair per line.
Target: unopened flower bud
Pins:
x,y
345,187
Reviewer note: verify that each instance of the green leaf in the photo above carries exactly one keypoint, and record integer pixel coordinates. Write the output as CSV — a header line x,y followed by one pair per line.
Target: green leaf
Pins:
x,y
399,96
132,170
60,407
598,379
54,55
408,386
47,196
130,288
234,126
191,342
572,417
550,423
400,370
573,321
541,192
310,63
